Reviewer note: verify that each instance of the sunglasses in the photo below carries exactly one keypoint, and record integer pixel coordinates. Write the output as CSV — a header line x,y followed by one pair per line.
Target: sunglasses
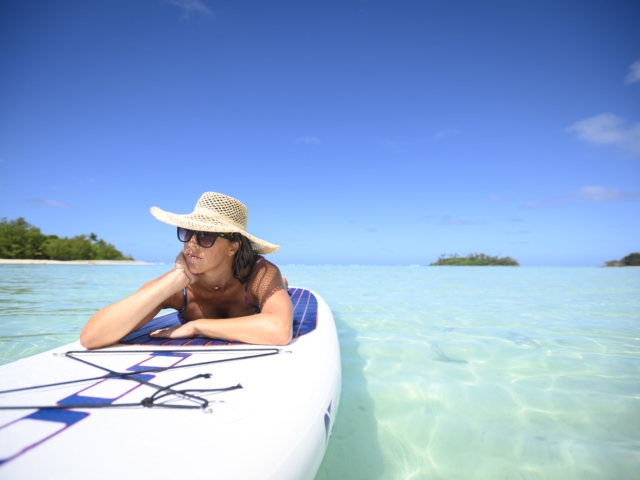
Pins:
x,y
204,239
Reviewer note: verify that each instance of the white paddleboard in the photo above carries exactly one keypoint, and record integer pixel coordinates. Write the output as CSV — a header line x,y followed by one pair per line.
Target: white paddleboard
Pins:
x,y
251,412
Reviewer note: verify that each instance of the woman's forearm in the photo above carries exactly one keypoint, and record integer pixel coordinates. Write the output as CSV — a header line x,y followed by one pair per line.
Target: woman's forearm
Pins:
x,y
260,329
108,325
271,327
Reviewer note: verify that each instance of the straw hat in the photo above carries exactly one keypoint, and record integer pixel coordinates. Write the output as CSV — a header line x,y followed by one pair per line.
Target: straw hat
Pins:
x,y
216,212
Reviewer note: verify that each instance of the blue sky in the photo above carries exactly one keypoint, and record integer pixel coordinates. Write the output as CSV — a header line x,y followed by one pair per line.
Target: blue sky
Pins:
x,y
355,131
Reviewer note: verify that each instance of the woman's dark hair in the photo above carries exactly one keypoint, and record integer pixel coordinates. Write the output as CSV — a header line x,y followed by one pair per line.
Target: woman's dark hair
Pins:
x,y
244,257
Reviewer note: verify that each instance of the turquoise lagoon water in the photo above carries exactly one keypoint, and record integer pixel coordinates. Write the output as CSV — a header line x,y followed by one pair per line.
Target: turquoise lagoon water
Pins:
x,y
448,372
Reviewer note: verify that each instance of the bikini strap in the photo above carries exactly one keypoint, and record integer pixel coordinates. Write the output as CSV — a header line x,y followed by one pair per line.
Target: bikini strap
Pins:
x,y
186,300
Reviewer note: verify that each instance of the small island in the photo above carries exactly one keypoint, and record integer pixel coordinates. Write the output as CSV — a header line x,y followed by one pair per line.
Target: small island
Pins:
x,y
631,260
475,259
19,240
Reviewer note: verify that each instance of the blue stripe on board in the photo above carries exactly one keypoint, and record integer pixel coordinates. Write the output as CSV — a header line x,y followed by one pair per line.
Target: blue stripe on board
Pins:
x,y
151,341
141,366
78,399
176,342
305,314
68,417
305,320
142,334
155,322
327,422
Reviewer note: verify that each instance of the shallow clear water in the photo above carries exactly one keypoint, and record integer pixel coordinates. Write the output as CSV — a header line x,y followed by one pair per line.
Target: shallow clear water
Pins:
x,y
448,372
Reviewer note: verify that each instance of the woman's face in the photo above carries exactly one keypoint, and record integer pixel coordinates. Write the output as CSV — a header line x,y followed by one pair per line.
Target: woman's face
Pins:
x,y
200,259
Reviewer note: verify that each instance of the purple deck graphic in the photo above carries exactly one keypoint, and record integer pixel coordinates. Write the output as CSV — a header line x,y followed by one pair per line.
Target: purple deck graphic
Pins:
x,y
25,433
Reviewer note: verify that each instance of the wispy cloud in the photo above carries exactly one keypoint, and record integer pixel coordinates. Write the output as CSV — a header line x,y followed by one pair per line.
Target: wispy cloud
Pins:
x,y
309,140
49,203
448,220
608,129
634,74
446,133
498,198
588,193
192,6
602,194
548,202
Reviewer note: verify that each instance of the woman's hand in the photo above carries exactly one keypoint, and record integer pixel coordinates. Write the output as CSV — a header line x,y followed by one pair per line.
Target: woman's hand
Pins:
x,y
181,264
181,331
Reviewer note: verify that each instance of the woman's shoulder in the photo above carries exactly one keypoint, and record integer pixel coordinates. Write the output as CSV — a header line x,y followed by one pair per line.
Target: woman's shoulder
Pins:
x,y
264,270
266,280
262,262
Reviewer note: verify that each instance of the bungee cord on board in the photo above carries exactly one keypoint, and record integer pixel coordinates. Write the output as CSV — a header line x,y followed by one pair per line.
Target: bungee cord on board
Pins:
x,y
161,391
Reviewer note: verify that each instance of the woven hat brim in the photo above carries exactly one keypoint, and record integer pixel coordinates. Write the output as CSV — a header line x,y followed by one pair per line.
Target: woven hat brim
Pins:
x,y
207,223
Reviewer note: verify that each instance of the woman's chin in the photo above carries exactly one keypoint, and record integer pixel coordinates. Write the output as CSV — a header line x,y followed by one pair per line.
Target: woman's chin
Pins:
x,y
196,268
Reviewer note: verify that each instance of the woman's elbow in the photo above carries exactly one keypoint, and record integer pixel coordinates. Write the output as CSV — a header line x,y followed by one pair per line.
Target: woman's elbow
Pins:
x,y
89,341
282,334
282,338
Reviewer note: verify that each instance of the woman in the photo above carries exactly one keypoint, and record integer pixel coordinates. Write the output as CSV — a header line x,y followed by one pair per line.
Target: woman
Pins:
x,y
221,286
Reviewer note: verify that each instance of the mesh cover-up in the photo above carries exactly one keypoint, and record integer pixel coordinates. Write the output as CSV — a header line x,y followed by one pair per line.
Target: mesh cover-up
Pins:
x,y
305,320
265,281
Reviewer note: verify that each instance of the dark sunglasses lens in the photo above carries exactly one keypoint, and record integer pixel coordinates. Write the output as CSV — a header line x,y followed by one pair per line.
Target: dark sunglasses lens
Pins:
x,y
206,239
184,235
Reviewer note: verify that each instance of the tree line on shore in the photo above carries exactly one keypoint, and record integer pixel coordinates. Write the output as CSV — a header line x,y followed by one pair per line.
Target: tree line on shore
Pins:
x,y
21,240
631,260
475,259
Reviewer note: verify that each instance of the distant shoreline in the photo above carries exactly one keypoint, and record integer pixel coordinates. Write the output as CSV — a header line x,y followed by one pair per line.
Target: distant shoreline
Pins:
x,y
11,261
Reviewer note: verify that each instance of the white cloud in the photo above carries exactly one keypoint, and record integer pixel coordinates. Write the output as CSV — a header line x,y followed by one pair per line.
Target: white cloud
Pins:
x,y
608,129
589,193
446,133
603,194
634,74
192,6
48,203
309,140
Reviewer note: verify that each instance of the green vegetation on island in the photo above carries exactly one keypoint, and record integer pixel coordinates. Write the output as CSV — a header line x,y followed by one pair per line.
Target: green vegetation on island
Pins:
x,y
631,260
21,240
475,259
